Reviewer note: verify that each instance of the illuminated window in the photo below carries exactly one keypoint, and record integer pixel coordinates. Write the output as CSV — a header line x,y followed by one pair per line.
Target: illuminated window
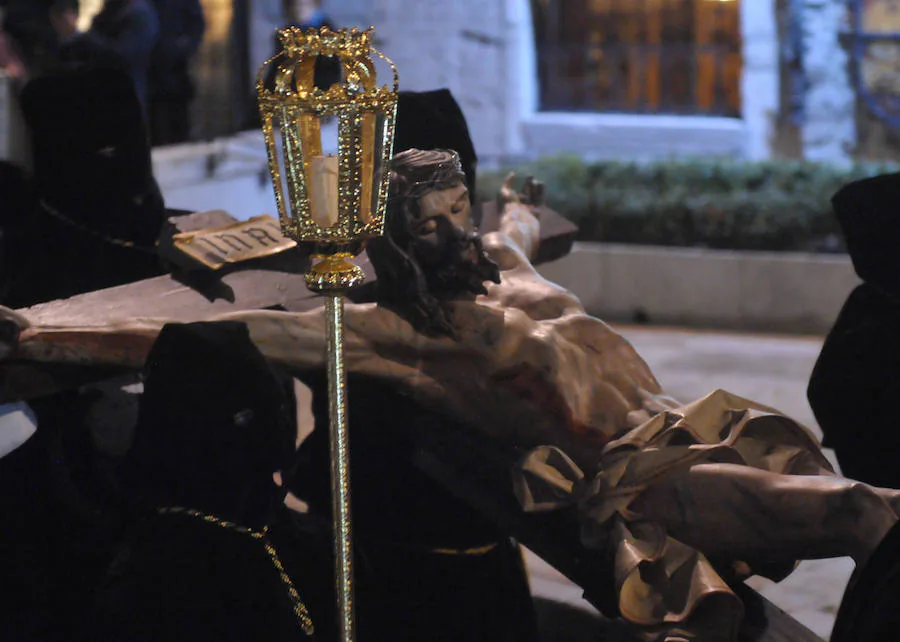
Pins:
x,y
639,56
875,46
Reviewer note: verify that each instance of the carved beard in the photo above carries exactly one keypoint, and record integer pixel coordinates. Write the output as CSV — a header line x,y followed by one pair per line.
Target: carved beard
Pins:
x,y
460,270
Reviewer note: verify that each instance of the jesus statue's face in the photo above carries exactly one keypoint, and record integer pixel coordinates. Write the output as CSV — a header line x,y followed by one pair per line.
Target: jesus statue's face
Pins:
x,y
446,245
452,204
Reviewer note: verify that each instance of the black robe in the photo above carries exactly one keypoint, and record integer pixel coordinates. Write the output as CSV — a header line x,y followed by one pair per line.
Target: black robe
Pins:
x,y
214,424
429,565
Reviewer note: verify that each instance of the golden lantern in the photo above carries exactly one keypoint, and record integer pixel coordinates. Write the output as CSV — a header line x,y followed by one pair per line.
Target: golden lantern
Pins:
x,y
333,202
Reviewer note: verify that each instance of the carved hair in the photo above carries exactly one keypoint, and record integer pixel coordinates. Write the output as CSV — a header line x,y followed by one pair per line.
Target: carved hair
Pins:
x,y
402,285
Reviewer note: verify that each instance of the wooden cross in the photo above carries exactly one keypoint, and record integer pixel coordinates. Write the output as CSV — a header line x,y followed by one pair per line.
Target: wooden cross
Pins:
x,y
192,293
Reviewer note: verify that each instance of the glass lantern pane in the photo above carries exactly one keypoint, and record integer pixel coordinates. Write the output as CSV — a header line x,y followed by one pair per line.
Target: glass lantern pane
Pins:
x,y
278,169
373,164
293,155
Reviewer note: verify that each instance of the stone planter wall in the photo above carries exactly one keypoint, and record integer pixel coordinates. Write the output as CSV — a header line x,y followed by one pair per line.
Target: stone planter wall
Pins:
x,y
760,291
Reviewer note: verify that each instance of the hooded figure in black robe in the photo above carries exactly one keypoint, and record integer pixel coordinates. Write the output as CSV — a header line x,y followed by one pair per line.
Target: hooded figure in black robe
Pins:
x,y
214,424
92,215
855,384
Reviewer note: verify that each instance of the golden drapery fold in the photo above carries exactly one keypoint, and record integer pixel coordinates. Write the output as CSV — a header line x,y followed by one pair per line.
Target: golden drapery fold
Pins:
x,y
663,584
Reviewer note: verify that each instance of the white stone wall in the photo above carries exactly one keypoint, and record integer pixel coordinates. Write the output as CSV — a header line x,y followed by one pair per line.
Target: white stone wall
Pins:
x,y
760,80
230,174
265,19
633,137
829,129
350,13
459,45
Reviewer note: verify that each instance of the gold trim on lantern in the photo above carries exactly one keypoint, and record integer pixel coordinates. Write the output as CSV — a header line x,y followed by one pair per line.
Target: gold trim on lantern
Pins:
x,y
334,272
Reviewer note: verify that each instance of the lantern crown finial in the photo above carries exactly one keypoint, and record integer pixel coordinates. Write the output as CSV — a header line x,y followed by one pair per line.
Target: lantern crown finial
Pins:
x,y
294,77
346,43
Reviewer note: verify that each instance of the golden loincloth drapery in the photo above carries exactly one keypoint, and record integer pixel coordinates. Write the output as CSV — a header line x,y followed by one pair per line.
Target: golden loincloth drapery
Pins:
x,y
663,583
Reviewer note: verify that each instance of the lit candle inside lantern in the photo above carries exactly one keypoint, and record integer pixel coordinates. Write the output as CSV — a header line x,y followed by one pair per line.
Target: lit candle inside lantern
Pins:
x,y
323,190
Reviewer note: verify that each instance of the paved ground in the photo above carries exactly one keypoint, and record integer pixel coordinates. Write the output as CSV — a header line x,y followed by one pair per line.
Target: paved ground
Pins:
x,y
772,370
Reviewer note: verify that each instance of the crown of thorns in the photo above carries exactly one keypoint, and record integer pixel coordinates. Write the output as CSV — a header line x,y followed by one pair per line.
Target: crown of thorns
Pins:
x,y
442,172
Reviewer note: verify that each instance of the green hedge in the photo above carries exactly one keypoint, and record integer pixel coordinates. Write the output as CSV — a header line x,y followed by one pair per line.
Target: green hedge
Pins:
x,y
775,205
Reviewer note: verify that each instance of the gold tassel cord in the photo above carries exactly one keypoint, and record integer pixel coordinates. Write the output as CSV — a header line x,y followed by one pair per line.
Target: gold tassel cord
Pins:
x,y
297,605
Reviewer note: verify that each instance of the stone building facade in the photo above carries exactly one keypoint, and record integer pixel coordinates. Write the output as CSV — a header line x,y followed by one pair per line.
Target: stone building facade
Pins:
x,y
485,52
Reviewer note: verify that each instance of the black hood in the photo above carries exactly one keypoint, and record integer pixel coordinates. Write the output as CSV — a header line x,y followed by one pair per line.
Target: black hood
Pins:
x,y
214,423
869,214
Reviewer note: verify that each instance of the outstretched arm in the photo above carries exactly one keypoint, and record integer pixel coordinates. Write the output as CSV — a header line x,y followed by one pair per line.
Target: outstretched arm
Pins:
x,y
296,340
518,222
293,340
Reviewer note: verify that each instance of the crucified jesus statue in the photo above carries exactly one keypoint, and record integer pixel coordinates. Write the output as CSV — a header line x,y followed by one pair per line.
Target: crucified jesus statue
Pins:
x,y
681,495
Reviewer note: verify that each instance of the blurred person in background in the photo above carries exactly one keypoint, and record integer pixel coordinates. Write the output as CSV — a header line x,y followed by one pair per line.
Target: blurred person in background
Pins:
x,y
308,14
14,149
91,203
11,61
29,25
122,36
181,28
